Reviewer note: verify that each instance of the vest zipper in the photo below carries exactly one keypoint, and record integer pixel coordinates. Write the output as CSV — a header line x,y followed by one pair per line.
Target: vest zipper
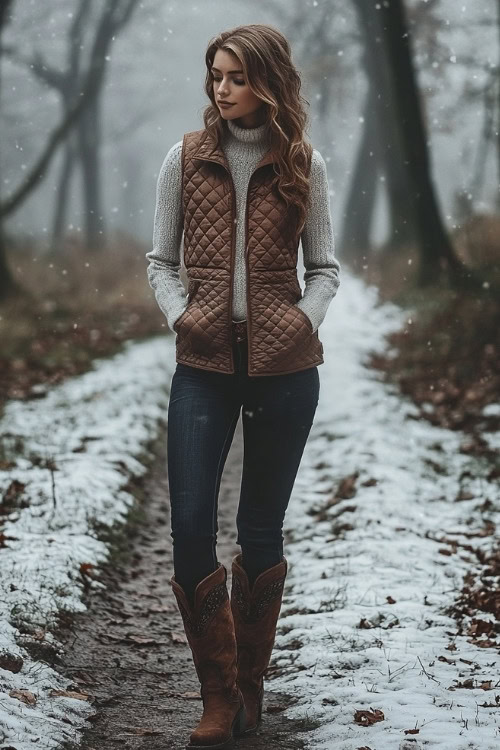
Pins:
x,y
231,263
245,249
248,274
249,317
231,269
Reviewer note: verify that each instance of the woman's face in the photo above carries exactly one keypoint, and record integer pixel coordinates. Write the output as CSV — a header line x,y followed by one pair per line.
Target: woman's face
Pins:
x,y
230,86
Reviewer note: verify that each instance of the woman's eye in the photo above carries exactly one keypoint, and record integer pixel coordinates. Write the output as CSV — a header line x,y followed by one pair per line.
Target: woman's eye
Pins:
x,y
240,83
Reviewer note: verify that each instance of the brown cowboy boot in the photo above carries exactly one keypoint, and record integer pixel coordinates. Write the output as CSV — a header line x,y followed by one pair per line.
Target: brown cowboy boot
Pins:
x,y
209,629
255,614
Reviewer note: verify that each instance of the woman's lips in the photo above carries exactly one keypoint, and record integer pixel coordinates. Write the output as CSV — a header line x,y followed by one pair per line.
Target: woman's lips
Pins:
x,y
225,104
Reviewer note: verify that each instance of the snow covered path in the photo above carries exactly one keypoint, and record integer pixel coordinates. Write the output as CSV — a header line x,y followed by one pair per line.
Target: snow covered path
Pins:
x,y
374,557
65,463
371,556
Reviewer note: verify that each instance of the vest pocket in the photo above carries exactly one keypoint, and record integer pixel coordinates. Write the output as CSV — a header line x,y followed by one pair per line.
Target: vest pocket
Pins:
x,y
202,325
296,328
192,287
304,317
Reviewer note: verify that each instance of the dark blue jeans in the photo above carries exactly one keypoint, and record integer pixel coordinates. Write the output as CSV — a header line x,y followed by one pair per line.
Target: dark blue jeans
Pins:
x,y
204,408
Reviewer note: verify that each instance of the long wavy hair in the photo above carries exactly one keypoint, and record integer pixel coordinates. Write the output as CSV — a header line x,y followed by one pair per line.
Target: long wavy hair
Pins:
x,y
265,58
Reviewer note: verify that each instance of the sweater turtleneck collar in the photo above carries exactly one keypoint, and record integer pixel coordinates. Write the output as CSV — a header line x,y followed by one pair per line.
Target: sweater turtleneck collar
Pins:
x,y
247,135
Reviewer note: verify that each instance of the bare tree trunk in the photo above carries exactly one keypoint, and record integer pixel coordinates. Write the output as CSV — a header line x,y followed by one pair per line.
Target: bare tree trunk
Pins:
x,y
89,139
131,167
485,140
115,15
63,193
382,117
355,236
8,285
436,252
498,113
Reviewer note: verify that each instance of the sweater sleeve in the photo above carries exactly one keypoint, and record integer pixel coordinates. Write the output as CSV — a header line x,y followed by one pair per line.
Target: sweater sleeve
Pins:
x,y
322,268
164,258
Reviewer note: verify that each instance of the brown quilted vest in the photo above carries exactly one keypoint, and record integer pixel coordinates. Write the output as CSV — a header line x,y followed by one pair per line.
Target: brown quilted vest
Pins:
x,y
280,336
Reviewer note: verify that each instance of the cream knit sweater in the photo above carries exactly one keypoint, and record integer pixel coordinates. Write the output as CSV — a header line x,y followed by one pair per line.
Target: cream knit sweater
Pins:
x,y
243,147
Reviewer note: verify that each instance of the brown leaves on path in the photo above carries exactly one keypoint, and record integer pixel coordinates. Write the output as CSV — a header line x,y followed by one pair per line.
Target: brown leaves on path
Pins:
x,y
368,717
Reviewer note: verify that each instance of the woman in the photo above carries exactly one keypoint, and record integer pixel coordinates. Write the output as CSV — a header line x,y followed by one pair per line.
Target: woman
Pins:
x,y
243,190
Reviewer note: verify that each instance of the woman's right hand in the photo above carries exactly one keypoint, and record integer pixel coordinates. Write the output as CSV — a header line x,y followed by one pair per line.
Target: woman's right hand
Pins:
x,y
177,320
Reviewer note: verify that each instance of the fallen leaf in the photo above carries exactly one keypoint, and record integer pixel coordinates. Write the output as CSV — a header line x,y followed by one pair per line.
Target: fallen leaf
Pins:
x,y
464,494
469,683
488,643
365,624
448,661
485,685
367,718
38,634
23,695
480,627
347,486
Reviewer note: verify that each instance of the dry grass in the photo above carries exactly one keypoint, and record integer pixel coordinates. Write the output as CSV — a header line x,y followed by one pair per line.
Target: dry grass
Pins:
x,y
83,279
74,307
448,358
394,272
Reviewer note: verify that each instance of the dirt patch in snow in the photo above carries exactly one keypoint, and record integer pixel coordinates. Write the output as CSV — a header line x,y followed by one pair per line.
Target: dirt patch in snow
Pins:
x,y
128,651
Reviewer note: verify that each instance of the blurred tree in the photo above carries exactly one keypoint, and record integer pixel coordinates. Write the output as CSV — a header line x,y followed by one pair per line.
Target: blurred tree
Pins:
x,y
66,83
7,284
354,242
90,85
380,153
393,146
84,143
114,18
435,249
482,87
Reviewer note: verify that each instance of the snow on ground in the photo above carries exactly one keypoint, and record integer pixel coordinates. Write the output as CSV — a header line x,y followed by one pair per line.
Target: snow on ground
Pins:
x,y
386,567
74,450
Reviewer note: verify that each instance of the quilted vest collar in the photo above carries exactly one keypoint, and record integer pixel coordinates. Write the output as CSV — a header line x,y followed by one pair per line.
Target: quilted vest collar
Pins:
x,y
208,150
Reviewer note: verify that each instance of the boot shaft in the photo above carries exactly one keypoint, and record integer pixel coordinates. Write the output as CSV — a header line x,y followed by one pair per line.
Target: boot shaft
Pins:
x,y
255,613
259,605
209,629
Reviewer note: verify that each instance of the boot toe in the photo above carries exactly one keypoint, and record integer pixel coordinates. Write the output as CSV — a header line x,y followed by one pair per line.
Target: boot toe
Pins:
x,y
210,737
